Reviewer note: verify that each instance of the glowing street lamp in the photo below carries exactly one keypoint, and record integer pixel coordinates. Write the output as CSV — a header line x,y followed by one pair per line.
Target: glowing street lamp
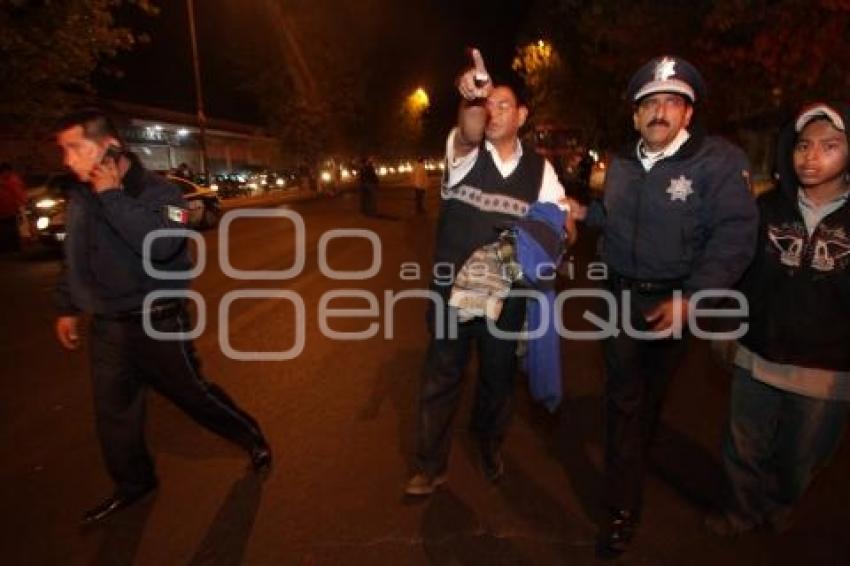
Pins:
x,y
418,101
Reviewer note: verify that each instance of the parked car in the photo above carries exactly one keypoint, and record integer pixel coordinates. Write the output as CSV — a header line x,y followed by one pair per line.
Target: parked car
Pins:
x,y
45,209
229,186
204,204
47,197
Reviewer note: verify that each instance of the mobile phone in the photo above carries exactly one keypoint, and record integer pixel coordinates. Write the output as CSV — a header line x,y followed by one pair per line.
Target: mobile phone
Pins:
x,y
113,152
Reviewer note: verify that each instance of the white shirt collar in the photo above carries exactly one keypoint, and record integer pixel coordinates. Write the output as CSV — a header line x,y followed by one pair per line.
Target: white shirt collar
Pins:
x,y
505,167
650,158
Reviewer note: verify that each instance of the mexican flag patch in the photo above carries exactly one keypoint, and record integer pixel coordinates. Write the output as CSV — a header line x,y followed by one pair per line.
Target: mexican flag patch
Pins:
x,y
177,214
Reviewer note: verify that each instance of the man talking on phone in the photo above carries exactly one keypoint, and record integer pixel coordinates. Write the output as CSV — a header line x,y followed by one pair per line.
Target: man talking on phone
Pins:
x,y
112,209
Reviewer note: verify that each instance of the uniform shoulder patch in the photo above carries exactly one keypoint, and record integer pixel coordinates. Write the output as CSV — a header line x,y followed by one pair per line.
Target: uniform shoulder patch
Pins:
x,y
177,214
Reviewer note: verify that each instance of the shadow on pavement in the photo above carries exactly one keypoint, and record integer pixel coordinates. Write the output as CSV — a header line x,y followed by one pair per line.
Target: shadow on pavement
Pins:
x,y
452,534
122,535
542,514
227,536
397,382
691,470
568,434
695,474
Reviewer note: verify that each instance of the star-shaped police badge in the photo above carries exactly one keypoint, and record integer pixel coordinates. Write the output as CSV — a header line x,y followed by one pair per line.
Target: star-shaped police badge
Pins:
x,y
665,69
680,188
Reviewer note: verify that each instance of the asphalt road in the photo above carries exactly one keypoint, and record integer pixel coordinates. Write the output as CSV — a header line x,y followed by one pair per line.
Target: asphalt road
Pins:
x,y
341,420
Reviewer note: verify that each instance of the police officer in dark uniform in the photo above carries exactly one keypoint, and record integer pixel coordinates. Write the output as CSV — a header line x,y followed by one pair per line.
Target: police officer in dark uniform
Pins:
x,y
116,204
677,218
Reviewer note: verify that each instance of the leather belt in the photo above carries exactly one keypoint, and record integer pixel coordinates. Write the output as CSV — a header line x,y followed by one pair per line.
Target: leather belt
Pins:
x,y
653,286
160,310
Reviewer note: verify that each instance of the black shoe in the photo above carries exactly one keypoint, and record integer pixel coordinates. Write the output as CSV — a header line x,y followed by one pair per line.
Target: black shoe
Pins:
x,y
616,534
491,462
116,502
261,457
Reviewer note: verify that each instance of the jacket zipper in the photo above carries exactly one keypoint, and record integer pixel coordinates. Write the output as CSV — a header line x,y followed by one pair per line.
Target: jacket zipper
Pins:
x,y
637,221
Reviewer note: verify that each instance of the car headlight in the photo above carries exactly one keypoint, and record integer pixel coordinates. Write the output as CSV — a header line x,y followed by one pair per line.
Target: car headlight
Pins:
x,y
45,203
42,223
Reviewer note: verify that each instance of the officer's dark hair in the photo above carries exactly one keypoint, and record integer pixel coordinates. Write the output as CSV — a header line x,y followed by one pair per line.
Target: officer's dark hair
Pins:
x,y
95,122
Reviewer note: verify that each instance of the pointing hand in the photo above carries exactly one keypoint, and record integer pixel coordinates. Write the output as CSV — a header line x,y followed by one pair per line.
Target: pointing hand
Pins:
x,y
475,83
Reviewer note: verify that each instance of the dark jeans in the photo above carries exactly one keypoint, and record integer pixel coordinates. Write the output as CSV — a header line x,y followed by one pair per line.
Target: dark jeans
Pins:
x,y
124,362
442,382
368,199
774,444
638,372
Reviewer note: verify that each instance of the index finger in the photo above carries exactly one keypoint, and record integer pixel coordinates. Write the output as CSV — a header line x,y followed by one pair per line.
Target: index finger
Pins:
x,y
478,62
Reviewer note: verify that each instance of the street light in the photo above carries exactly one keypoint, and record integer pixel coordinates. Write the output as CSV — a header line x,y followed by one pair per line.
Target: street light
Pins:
x,y
418,101
199,96
413,116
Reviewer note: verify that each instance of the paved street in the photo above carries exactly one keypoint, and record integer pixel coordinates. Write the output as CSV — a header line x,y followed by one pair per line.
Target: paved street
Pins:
x,y
341,420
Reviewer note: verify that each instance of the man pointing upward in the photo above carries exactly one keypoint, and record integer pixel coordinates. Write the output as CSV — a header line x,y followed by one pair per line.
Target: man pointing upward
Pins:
x,y
491,179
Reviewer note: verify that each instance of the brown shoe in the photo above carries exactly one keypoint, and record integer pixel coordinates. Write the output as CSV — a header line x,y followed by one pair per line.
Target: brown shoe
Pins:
x,y
424,484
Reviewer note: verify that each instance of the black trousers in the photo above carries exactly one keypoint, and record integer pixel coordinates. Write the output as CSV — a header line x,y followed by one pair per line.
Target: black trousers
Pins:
x,y
368,199
638,373
442,380
124,363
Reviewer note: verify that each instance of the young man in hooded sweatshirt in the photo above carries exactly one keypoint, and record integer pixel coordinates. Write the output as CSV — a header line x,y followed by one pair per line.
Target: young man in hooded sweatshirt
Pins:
x,y
792,368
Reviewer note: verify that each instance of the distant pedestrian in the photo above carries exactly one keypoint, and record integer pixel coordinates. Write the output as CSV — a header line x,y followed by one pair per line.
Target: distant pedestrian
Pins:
x,y
184,171
368,179
419,180
12,202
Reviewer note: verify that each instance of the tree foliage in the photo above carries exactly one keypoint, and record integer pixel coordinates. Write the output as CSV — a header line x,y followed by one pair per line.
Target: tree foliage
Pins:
x,y
541,67
777,54
760,58
49,51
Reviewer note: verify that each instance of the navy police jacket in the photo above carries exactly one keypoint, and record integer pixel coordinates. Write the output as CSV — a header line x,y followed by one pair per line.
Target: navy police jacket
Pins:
x,y
690,218
103,271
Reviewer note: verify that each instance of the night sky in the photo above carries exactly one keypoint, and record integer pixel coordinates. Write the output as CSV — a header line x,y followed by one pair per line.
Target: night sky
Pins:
x,y
406,43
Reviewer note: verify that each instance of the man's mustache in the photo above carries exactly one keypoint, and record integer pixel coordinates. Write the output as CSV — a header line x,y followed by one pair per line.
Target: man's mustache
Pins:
x,y
658,122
